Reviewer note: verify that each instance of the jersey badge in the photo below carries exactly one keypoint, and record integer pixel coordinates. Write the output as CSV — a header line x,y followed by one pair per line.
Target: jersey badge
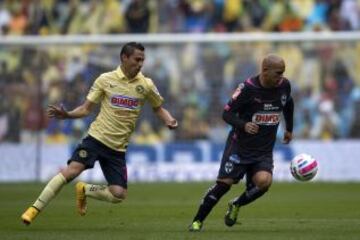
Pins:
x,y
83,153
139,89
229,166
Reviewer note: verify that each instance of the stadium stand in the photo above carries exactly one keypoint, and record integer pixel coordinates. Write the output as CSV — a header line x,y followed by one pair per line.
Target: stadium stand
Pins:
x,y
325,75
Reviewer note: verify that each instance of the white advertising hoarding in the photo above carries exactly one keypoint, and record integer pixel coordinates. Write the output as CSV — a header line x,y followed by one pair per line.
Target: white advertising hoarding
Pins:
x,y
196,161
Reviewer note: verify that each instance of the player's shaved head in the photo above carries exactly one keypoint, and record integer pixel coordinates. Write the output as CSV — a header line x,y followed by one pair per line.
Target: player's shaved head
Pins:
x,y
271,61
272,69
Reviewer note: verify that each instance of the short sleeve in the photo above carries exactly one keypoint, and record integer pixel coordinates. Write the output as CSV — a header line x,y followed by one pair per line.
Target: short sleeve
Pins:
x,y
96,91
153,96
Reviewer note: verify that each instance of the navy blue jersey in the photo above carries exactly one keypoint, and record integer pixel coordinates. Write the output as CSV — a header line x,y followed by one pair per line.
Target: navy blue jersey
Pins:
x,y
264,106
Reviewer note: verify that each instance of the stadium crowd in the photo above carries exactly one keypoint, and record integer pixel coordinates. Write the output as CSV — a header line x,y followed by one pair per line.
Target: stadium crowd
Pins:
x,y
44,17
325,75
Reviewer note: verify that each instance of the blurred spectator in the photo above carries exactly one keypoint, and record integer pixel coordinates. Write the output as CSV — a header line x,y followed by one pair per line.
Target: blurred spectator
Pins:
x,y
327,120
5,18
317,16
292,54
18,21
350,12
232,11
43,17
275,15
197,15
336,22
74,16
138,16
256,11
103,17
146,134
218,130
192,124
291,21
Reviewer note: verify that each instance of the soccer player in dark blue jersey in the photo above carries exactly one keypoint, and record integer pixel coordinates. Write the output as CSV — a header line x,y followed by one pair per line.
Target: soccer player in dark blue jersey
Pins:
x,y
254,112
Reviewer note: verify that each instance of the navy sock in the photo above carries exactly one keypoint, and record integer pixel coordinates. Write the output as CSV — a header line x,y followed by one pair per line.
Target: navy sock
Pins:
x,y
212,196
249,196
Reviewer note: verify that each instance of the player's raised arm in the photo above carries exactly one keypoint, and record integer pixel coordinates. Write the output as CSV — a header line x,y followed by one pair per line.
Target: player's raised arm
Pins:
x,y
166,117
59,112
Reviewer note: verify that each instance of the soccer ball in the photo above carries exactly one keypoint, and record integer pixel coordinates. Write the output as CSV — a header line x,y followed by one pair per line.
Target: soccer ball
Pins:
x,y
303,167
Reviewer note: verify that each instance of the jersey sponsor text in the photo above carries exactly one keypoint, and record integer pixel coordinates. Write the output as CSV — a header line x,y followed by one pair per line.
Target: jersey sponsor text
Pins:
x,y
266,118
124,101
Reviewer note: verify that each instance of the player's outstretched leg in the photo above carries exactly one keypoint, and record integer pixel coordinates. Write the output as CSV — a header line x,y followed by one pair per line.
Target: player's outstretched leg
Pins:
x,y
212,196
50,191
80,198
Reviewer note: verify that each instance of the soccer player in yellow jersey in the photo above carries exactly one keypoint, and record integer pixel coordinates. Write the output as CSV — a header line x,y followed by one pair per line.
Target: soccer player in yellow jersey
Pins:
x,y
121,95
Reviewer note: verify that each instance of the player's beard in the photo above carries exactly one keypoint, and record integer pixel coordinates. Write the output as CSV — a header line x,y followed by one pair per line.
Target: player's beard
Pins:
x,y
134,72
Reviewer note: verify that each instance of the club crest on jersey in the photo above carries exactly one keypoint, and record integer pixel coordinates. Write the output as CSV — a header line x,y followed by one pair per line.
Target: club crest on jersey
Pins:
x,y
140,89
283,99
237,91
124,102
229,166
272,118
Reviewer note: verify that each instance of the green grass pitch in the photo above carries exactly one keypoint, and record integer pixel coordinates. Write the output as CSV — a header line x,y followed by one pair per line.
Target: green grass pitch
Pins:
x,y
164,211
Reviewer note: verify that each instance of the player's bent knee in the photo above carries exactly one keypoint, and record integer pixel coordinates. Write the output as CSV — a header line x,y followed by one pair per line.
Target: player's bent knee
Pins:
x,y
262,180
119,193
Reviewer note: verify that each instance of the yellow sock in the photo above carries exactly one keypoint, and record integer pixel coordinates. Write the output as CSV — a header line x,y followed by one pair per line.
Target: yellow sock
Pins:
x,y
100,192
50,191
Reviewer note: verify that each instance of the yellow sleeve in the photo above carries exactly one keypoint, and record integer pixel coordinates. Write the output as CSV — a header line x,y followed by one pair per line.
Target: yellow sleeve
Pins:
x,y
96,91
153,96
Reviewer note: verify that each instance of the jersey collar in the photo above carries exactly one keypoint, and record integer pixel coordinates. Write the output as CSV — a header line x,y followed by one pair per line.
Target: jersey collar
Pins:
x,y
122,76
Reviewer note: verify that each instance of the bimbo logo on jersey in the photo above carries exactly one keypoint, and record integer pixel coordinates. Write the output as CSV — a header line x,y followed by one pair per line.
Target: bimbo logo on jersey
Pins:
x,y
266,118
124,101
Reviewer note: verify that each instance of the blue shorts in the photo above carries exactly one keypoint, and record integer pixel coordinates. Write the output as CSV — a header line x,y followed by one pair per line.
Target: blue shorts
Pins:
x,y
232,166
229,169
112,163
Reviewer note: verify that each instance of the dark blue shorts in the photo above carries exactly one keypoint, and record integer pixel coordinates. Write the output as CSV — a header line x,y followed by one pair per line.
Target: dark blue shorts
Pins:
x,y
236,172
112,163
234,167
